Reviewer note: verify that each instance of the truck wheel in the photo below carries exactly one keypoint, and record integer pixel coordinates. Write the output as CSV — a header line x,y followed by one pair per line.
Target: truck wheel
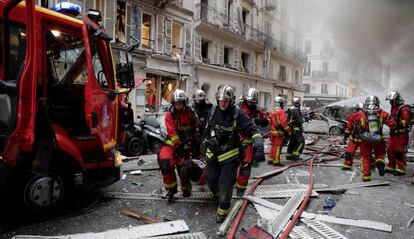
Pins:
x,y
335,130
136,146
155,146
41,192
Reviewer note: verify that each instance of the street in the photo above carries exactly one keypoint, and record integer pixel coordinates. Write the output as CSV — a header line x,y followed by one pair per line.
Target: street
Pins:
x,y
386,204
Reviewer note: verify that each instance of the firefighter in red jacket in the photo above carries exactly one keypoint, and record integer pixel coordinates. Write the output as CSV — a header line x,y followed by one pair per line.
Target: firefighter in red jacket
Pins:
x,y
182,129
249,106
352,133
279,128
371,121
398,141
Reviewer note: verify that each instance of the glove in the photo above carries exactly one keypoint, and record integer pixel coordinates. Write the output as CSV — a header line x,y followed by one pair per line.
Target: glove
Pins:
x,y
177,143
258,155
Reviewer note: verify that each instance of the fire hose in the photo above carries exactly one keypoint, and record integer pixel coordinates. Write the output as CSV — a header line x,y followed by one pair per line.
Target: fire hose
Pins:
x,y
290,226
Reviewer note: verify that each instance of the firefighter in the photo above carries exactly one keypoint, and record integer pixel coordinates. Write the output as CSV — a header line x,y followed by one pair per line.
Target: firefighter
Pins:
x,y
279,127
352,131
249,106
398,141
182,129
202,107
224,150
371,120
297,141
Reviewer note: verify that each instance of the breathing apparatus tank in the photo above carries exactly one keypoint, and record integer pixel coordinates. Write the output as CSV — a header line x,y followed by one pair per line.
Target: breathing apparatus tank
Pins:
x,y
373,134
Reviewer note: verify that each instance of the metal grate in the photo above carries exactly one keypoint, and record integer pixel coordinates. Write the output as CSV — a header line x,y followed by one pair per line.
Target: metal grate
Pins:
x,y
143,196
353,185
286,213
302,232
323,229
196,235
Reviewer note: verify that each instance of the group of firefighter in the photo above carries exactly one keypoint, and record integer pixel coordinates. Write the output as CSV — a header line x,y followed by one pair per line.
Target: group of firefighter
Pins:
x,y
221,143
364,129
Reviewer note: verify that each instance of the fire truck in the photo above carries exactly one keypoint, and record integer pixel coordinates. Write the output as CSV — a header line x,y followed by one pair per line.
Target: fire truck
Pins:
x,y
62,105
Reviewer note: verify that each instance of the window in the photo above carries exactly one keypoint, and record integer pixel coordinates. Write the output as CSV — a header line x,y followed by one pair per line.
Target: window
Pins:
x,y
307,70
297,77
307,88
324,89
66,58
146,29
17,49
325,68
204,50
282,73
98,65
177,37
244,62
308,47
226,55
120,22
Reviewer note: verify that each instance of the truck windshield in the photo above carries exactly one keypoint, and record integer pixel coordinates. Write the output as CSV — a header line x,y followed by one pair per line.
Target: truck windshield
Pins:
x,y
66,58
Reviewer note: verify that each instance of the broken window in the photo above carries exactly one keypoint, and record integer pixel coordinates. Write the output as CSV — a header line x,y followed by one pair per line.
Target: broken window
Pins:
x,y
204,50
177,36
120,22
226,55
146,31
158,91
244,62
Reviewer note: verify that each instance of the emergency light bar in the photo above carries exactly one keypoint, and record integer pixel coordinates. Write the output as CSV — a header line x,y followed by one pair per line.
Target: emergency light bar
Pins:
x,y
67,8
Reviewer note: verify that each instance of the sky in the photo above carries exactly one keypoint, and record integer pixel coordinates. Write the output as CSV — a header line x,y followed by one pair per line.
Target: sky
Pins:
x,y
369,31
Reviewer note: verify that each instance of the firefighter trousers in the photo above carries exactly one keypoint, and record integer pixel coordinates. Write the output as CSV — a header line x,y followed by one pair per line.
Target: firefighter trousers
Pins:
x,y
221,178
367,149
351,148
187,170
245,168
397,153
296,145
276,149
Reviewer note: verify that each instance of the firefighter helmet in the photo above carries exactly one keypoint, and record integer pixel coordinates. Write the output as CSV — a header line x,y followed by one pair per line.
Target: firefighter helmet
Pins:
x,y
296,101
179,96
395,98
372,102
199,96
225,92
279,101
252,95
359,105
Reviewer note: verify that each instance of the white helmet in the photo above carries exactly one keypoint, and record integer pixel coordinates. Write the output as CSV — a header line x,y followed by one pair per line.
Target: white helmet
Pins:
x,y
296,101
279,101
252,95
225,92
199,96
179,96
359,105
372,102
395,98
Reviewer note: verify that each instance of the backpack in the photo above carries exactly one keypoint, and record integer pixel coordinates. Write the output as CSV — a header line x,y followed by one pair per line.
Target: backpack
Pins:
x,y
411,106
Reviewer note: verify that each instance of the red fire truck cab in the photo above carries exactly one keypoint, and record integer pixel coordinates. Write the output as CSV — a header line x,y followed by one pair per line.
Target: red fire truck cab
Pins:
x,y
61,111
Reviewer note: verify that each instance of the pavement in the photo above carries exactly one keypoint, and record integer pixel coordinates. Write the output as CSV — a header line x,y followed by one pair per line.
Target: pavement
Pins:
x,y
387,204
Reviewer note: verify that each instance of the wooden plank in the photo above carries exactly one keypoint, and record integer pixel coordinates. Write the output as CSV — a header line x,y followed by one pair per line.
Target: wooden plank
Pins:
x,y
140,216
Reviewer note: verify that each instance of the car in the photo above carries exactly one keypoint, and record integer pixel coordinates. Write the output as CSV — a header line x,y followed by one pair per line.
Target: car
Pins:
x,y
319,123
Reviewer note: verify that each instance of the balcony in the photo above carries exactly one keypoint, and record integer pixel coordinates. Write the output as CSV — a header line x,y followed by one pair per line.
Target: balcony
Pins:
x,y
288,51
214,17
326,76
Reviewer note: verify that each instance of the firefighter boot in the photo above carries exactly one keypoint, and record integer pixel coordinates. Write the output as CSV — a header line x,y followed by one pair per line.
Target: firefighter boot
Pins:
x,y
170,194
381,168
220,218
239,192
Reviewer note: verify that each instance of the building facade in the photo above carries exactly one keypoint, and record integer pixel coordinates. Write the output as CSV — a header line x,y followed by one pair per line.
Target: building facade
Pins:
x,y
326,78
203,44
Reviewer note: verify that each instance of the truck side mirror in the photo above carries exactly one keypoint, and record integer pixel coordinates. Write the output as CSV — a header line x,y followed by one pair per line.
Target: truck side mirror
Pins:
x,y
127,118
125,75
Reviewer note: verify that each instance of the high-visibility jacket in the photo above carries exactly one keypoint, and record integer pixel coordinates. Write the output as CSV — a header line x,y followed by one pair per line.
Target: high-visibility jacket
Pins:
x,y
402,116
383,118
182,127
255,114
352,127
279,123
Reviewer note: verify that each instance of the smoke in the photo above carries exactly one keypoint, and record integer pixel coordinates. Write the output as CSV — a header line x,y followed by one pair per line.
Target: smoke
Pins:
x,y
369,32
